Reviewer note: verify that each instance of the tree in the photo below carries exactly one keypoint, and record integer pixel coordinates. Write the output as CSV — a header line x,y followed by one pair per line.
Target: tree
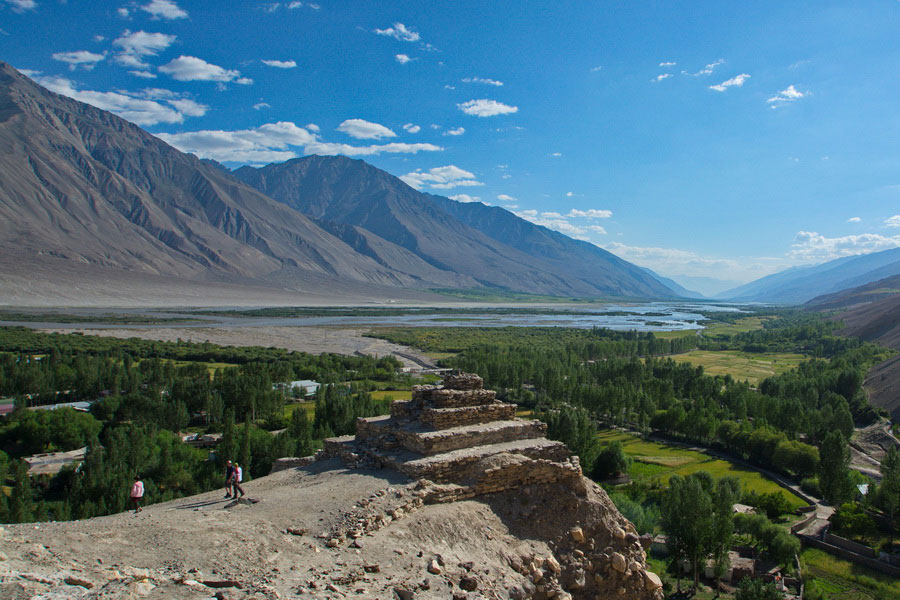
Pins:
x,y
20,505
226,449
754,589
245,455
611,461
834,471
687,518
726,493
301,431
888,499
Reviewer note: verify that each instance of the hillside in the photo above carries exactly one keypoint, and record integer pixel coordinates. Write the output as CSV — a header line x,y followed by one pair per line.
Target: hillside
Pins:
x,y
300,540
416,233
82,185
872,312
801,284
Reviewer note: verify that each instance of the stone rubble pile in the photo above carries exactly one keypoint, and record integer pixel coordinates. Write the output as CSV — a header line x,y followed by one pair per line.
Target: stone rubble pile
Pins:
x,y
459,437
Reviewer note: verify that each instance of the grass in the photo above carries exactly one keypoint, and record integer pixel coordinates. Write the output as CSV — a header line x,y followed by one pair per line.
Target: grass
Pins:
x,y
309,407
656,461
750,366
842,580
740,326
392,394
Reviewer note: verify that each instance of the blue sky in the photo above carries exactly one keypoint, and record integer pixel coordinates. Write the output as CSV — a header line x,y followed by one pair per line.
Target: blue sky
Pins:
x,y
706,140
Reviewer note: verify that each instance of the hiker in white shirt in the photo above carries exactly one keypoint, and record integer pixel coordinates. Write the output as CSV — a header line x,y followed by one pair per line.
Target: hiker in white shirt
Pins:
x,y
237,479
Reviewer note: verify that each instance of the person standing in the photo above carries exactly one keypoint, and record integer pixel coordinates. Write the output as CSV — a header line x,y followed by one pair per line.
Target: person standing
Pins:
x,y
137,492
229,478
236,481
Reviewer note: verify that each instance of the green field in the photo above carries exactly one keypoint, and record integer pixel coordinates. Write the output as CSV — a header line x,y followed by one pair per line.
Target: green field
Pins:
x,y
750,366
842,580
740,326
653,460
309,407
392,394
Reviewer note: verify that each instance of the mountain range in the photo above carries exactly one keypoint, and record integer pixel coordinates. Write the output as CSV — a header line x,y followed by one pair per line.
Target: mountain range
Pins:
x,y
801,284
84,191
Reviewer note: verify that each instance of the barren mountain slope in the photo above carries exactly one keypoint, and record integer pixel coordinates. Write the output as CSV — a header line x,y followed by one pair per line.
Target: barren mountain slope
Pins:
x,y
511,252
282,546
81,184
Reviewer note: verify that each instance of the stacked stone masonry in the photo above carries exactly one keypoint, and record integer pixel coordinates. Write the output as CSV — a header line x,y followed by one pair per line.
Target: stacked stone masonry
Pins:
x,y
460,437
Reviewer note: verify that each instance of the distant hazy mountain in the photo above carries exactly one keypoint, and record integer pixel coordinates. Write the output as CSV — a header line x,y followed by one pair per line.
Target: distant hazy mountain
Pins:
x,y
79,184
868,293
384,218
674,285
800,284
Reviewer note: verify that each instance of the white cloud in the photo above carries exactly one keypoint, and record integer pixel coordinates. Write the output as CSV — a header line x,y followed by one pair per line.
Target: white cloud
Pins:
x,y
506,198
597,68
457,131
493,82
21,6
486,108
410,128
737,80
854,220
556,154
810,246
189,107
789,94
280,64
164,9
134,47
708,69
99,38
441,178
556,222
662,76
892,221
267,143
137,107
365,130
312,127
123,12
675,262
667,64
465,198
400,32
591,213
261,105
191,68
596,229
402,58
449,87
328,148
143,74
79,58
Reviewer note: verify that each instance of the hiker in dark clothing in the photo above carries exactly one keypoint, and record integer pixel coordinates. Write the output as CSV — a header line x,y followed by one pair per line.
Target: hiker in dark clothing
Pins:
x,y
229,478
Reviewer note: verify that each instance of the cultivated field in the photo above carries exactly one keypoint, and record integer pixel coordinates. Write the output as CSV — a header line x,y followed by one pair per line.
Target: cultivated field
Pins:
x,y
653,460
750,366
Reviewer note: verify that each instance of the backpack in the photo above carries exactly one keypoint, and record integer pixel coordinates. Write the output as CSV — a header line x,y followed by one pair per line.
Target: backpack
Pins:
x,y
238,474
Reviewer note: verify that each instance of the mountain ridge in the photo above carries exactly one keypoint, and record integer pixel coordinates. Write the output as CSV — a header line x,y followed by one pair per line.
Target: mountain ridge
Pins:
x,y
446,234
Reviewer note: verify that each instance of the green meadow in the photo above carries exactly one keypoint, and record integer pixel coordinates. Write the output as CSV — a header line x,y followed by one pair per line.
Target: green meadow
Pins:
x,y
750,366
653,460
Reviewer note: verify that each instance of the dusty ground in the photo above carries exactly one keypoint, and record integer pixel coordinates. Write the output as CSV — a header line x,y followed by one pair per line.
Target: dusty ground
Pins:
x,y
314,340
296,542
868,447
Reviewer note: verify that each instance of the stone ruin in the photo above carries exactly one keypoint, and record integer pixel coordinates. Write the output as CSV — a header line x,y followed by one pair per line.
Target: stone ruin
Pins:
x,y
461,438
